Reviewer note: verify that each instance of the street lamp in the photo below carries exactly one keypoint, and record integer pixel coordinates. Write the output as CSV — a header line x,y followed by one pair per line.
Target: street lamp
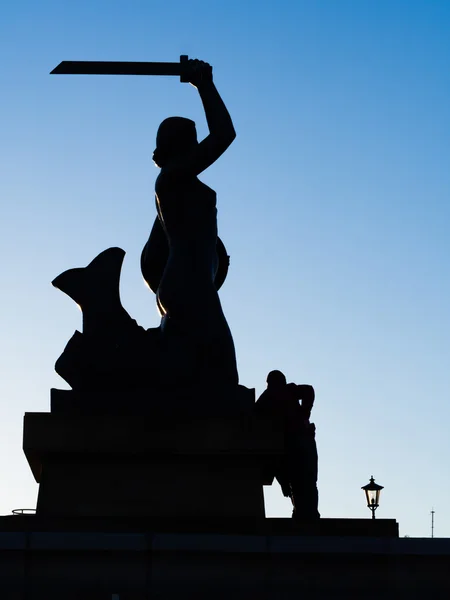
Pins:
x,y
372,491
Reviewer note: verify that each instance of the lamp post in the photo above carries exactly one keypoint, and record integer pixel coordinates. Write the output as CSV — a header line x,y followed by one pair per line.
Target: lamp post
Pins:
x,y
372,491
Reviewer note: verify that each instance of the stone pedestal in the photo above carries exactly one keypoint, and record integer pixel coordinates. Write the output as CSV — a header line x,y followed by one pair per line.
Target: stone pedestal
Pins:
x,y
51,558
123,465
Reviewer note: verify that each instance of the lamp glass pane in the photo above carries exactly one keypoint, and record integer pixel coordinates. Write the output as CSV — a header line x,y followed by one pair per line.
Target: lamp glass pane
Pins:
x,y
372,497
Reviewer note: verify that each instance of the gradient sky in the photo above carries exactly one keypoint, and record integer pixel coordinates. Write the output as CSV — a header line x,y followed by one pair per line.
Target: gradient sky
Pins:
x,y
333,204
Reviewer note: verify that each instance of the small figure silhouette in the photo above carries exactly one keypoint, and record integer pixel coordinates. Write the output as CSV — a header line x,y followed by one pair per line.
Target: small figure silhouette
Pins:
x,y
297,472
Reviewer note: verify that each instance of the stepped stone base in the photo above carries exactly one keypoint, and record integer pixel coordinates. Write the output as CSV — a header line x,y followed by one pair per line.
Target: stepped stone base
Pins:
x,y
118,466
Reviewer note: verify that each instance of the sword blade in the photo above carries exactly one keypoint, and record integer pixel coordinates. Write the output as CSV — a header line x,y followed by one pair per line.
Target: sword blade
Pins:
x,y
90,67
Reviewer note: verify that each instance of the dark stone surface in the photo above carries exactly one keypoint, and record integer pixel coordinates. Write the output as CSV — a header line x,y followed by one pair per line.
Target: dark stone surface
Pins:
x,y
274,527
146,466
193,403
272,560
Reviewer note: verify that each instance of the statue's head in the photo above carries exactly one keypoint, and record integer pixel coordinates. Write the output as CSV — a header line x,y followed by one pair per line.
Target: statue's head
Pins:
x,y
276,380
175,137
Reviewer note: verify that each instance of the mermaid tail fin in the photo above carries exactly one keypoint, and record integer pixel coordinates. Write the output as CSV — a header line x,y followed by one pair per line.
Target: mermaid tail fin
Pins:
x,y
113,352
95,289
96,282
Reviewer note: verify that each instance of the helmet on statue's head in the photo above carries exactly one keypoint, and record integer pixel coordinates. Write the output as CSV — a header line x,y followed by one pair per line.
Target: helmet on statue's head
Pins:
x,y
175,136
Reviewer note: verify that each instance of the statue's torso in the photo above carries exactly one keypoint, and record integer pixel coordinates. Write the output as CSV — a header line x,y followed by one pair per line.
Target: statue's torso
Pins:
x,y
187,209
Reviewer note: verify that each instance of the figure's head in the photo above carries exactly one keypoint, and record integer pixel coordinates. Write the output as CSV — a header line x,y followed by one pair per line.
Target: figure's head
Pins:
x,y
175,136
276,380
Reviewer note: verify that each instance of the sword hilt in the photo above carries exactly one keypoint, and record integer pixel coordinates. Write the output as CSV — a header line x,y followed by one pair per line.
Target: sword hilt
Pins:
x,y
184,68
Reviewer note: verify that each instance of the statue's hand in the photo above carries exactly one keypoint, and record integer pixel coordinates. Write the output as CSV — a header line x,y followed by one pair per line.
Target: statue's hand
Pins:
x,y
199,72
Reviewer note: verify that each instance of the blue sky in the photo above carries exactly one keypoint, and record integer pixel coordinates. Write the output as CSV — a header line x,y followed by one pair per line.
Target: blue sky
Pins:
x,y
333,204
